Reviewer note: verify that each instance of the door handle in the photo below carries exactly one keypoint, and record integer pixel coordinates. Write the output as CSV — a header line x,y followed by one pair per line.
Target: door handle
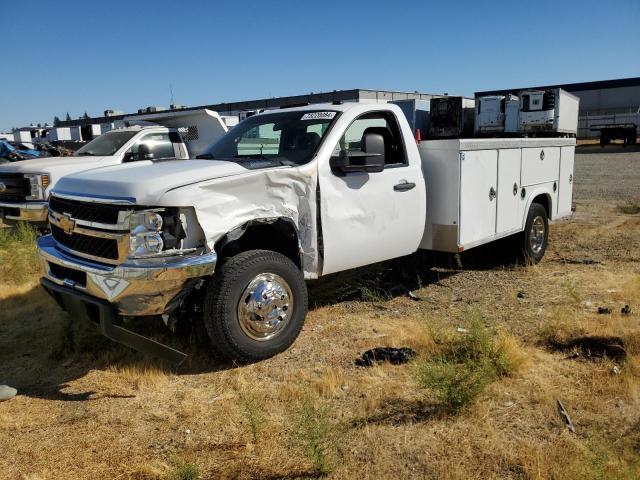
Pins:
x,y
404,186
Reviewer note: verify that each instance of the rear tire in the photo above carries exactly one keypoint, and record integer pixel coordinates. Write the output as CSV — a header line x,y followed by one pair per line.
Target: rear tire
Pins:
x,y
255,305
534,240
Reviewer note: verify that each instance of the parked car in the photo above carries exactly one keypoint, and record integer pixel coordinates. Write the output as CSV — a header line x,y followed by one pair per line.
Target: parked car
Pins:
x,y
25,185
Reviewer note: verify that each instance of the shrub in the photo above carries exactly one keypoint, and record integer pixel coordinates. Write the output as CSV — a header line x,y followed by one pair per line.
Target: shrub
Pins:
x,y
464,364
315,432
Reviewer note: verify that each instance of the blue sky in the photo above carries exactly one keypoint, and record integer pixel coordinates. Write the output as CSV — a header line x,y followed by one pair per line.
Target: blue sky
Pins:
x,y
79,56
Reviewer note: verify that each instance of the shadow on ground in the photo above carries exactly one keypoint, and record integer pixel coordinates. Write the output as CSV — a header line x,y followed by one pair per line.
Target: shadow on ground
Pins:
x,y
400,276
42,349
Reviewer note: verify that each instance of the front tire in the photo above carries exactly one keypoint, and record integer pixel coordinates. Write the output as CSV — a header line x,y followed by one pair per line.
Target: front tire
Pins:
x,y
535,237
255,305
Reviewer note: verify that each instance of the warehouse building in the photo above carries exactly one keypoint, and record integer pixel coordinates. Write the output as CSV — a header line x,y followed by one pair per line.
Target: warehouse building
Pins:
x,y
234,108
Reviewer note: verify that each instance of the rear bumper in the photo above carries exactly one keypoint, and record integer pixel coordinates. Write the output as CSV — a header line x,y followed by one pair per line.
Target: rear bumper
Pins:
x,y
83,306
35,212
135,288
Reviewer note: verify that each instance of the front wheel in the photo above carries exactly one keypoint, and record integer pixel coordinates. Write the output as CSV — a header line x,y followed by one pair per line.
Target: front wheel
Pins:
x,y
255,305
535,237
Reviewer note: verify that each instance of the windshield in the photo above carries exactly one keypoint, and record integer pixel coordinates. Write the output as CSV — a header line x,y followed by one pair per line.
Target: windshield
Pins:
x,y
285,138
106,144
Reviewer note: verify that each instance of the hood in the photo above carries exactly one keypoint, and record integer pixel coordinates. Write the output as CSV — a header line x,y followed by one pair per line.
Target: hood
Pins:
x,y
57,165
145,181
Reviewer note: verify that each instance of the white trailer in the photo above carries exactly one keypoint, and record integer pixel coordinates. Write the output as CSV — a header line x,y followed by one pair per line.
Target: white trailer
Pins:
x,y
23,136
552,111
497,114
59,134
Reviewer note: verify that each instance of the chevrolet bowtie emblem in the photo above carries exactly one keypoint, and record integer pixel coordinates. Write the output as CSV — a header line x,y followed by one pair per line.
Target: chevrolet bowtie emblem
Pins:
x,y
66,223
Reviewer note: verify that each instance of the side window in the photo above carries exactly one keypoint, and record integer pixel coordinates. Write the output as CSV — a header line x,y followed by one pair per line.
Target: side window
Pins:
x,y
159,145
382,123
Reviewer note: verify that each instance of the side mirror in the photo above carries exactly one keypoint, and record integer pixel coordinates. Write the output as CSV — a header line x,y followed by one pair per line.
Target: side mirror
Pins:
x,y
144,152
128,156
370,160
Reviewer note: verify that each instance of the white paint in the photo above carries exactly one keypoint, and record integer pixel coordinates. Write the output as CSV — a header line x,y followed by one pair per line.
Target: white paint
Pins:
x,y
363,219
540,165
478,175
565,183
459,174
510,206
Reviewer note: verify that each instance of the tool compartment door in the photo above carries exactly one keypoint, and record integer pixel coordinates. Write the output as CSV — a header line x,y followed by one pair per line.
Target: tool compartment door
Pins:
x,y
540,165
478,182
565,182
510,204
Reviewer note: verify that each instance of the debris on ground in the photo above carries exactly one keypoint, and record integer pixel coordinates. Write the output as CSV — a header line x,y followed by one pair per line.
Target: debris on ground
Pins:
x,y
521,294
7,392
626,310
595,347
604,311
413,296
462,330
616,370
565,416
402,291
395,356
584,261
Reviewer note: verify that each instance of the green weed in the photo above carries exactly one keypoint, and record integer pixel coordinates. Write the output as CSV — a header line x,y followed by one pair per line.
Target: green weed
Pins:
x,y
251,405
18,254
182,470
464,364
316,433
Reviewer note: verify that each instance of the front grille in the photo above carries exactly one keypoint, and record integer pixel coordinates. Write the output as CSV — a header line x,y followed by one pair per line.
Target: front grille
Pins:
x,y
16,187
64,273
94,246
92,212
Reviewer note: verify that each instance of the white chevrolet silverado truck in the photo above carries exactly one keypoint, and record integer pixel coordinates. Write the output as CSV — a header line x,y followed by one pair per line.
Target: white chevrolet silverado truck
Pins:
x,y
25,186
286,196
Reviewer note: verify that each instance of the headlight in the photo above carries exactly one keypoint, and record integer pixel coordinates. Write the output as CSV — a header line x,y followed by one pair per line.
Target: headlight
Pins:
x,y
146,233
38,183
146,221
146,243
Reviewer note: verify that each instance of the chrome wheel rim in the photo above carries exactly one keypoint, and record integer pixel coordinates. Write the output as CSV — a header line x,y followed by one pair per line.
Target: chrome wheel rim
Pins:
x,y
536,235
265,306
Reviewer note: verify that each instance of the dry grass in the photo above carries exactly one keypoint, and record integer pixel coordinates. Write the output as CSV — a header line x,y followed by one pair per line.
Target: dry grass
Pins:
x,y
94,410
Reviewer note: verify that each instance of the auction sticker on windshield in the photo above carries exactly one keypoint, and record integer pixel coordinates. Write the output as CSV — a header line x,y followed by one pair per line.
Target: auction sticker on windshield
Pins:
x,y
318,116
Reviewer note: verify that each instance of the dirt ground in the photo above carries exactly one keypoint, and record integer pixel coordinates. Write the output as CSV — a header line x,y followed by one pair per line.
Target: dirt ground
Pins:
x,y
90,409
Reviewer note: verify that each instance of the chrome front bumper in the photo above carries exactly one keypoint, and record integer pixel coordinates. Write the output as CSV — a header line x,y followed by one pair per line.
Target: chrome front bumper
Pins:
x,y
36,212
136,287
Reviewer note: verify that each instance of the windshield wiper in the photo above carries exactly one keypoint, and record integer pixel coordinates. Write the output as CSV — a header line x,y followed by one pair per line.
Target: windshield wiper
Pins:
x,y
205,156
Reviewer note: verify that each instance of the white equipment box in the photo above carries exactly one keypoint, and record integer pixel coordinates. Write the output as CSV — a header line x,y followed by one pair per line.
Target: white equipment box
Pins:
x,y
479,190
549,111
497,114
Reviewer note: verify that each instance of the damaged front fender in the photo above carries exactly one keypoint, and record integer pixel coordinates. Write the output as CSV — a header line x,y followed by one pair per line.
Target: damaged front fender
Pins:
x,y
226,206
